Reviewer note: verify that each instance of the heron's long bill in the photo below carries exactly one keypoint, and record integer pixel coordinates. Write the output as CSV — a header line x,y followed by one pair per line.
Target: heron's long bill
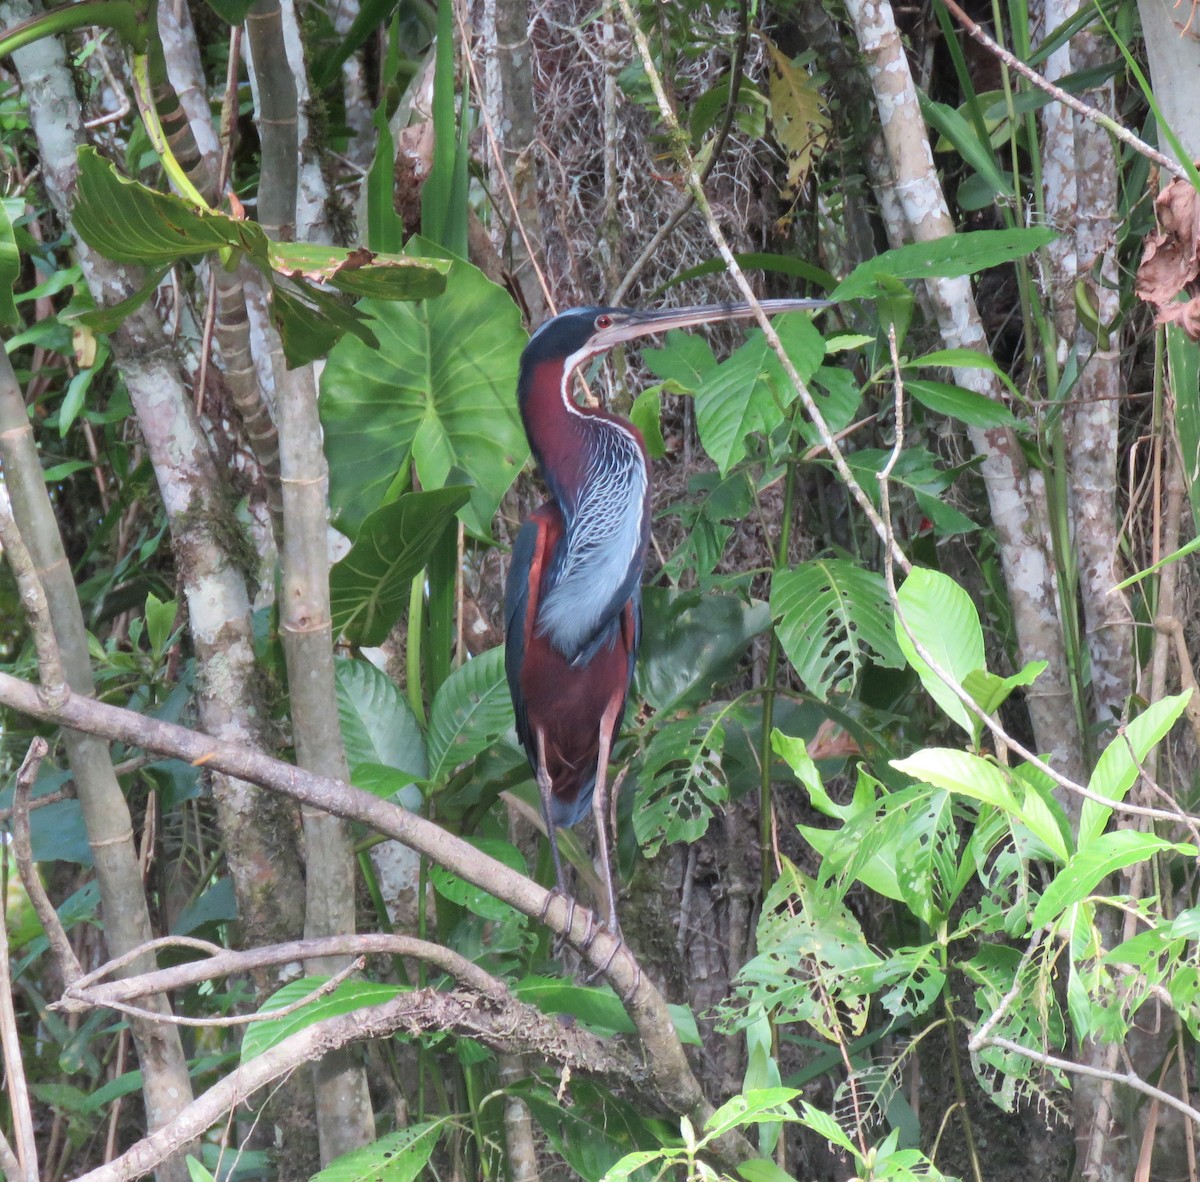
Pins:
x,y
627,326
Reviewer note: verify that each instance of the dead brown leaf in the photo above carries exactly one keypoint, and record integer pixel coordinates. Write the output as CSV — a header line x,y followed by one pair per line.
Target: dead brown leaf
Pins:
x,y
1171,261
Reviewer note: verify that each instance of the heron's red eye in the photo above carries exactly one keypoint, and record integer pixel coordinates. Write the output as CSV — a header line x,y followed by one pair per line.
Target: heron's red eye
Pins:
x,y
604,321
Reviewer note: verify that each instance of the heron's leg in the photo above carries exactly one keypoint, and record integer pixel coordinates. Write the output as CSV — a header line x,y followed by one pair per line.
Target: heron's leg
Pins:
x,y
601,812
545,789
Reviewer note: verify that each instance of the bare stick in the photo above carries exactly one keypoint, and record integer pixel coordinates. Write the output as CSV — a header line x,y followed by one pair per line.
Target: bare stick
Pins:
x,y
87,993
33,600
1128,1078
1059,95
60,946
25,1158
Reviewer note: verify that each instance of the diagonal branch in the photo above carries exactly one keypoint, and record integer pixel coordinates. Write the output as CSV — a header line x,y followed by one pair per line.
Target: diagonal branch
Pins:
x,y
668,1074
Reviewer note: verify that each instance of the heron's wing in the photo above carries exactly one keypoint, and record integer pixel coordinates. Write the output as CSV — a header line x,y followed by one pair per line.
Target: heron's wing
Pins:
x,y
530,560
599,567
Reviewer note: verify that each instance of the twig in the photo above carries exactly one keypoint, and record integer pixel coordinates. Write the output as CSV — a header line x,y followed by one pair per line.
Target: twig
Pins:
x,y
979,1038
64,954
1068,100
86,993
684,156
1128,1078
25,1159
494,145
326,987
33,600
670,1075
718,146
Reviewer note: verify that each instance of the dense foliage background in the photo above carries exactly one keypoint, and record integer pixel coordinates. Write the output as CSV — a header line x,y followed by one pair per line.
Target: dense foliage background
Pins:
x,y
907,831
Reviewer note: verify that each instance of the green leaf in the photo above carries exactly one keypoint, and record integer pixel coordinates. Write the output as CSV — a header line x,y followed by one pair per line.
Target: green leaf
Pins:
x,y
1120,762
397,1157
475,899
1104,855
1183,362
942,618
693,643
761,1169
129,223
439,391
990,690
111,317
646,416
824,1125
232,12
962,773
160,620
311,322
10,260
369,588
750,391
470,711
682,781
926,858
594,1132
377,723
197,1172
685,359
215,905
956,402
77,389
833,617
751,1107
348,996
360,272
961,135
953,255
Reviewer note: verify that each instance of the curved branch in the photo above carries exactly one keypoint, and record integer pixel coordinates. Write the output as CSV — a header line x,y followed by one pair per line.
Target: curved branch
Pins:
x,y
507,1025
85,994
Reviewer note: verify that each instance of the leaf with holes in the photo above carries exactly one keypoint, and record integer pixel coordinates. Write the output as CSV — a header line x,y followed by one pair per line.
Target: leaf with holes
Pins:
x,y
797,119
833,617
926,862
398,1157
682,781
909,981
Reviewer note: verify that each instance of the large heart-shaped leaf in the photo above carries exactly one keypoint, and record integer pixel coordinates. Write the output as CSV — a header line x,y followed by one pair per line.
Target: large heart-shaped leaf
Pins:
x,y
369,587
439,392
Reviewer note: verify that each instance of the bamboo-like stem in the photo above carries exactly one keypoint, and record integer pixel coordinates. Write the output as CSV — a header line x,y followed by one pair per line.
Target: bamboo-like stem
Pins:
x,y
106,814
345,1120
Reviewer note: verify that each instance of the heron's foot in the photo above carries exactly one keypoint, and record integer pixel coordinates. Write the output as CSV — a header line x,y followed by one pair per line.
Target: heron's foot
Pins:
x,y
613,928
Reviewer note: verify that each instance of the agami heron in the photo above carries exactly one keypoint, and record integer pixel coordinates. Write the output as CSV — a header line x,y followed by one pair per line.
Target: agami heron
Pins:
x,y
573,598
